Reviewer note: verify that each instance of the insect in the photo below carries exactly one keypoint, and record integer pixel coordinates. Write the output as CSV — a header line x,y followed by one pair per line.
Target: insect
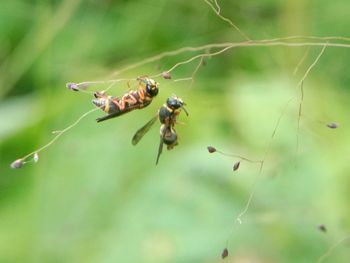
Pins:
x,y
167,115
134,99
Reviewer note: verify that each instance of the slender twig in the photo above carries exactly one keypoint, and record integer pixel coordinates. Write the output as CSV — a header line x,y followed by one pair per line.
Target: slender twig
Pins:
x,y
224,47
217,12
299,114
251,195
306,37
268,148
59,134
217,6
240,215
330,250
301,84
167,54
83,86
220,45
313,64
228,46
238,219
301,61
194,73
183,79
239,157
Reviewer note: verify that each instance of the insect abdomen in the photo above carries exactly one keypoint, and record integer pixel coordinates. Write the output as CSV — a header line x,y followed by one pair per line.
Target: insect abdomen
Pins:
x,y
106,104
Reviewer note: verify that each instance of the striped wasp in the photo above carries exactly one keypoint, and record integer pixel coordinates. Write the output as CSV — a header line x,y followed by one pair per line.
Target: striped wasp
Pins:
x,y
134,99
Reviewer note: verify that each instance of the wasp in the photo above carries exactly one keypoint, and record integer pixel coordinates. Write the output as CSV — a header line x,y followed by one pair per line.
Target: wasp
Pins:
x,y
134,99
167,115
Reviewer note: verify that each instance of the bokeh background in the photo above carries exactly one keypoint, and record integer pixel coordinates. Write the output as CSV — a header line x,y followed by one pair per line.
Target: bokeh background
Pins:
x,y
93,197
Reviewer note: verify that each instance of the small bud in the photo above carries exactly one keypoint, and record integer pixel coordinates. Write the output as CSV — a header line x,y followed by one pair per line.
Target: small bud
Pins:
x,y
236,166
224,253
36,157
203,63
72,86
166,75
332,125
211,149
17,164
322,228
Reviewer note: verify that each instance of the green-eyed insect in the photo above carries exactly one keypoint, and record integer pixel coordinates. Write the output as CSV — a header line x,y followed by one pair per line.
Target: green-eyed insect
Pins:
x,y
167,115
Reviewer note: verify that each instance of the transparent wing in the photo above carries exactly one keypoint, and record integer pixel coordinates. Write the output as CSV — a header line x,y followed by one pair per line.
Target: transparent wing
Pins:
x,y
143,130
116,114
160,149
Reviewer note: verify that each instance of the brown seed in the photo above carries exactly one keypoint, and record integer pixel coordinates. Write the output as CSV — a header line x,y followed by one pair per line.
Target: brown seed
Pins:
x,y
224,253
322,228
166,75
211,149
332,125
236,166
17,164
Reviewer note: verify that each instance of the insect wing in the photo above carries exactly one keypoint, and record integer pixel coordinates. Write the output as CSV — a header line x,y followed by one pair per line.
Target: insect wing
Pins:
x,y
160,149
116,114
142,131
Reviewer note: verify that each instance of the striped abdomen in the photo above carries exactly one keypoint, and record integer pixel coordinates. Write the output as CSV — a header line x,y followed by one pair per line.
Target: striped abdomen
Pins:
x,y
129,101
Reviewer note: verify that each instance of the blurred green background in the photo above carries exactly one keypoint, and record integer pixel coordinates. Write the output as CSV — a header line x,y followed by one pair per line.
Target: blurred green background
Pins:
x,y
93,197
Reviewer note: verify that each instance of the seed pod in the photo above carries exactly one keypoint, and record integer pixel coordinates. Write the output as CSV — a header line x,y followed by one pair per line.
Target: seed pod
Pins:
x,y
224,253
72,86
236,166
211,149
17,164
332,125
322,228
166,75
